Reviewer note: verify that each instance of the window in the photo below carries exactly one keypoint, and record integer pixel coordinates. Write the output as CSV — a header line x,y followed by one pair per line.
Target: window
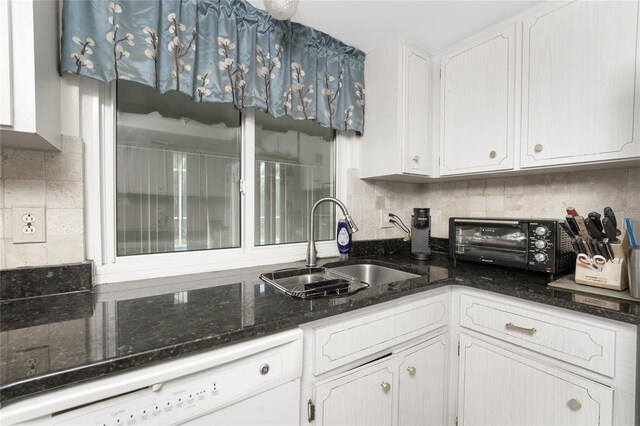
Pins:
x,y
179,173
294,168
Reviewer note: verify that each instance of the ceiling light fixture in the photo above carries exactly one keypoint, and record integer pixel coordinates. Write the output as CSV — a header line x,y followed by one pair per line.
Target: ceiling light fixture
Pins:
x,y
281,9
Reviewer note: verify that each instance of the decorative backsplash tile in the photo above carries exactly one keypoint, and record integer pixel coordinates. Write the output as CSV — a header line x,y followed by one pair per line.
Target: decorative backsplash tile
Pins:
x,y
52,180
544,195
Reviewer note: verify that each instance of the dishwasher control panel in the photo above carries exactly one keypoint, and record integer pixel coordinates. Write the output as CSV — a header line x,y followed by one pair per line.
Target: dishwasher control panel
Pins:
x,y
179,400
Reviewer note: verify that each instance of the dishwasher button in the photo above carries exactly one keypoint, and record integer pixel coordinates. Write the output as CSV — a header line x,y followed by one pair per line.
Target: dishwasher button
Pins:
x,y
264,369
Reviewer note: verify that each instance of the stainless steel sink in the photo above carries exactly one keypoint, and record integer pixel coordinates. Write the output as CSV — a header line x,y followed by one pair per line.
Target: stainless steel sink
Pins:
x,y
307,283
373,274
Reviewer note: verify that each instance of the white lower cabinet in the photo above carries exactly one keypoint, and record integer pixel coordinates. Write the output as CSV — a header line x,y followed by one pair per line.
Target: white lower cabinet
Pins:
x,y
498,387
422,383
362,397
405,388
526,363
469,357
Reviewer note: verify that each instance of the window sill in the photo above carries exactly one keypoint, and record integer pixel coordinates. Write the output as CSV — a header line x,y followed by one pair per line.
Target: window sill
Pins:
x,y
130,268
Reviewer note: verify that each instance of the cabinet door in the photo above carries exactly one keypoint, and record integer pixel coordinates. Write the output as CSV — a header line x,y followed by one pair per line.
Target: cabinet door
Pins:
x,y
477,100
579,83
422,378
417,79
364,397
498,387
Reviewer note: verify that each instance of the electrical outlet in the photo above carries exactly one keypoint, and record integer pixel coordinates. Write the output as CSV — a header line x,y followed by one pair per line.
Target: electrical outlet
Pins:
x,y
385,219
29,225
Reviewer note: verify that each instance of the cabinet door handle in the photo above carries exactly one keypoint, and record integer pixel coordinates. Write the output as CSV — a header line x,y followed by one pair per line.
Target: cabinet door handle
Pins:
x,y
575,404
385,386
512,326
493,154
538,147
411,370
416,158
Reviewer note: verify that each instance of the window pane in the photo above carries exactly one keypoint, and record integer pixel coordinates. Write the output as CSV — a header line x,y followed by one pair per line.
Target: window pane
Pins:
x,y
294,168
178,172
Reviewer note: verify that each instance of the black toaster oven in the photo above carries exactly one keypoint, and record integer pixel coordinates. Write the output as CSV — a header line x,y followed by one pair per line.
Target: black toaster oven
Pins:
x,y
533,244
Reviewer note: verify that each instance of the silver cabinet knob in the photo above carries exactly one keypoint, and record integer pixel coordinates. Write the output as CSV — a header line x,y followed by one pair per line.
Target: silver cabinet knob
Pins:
x,y
538,148
416,158
493,154
386,387
264,369
575,404
411,370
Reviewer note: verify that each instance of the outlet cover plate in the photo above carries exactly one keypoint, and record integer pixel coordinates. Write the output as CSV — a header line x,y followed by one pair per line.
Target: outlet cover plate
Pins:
x,y
384,218
20,216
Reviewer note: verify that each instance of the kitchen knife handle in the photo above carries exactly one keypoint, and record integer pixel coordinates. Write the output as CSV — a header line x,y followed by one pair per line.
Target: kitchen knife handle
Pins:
x,y
576,246
584,247
595,218
602,248
572,211
572,224
608,212
582,228
610,230
592,229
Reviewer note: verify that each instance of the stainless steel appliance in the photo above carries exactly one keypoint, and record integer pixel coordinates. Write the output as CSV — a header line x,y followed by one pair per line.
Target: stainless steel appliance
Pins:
x,y
420,233
532,244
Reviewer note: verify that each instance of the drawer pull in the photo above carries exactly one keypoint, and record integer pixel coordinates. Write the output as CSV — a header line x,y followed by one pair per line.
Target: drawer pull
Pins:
x,y
411,370
416,158
493,154
385,386
264,369
512,326
538,148
575,404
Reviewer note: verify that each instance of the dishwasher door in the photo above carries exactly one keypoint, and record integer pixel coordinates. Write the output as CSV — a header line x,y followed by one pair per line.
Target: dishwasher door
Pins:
x,y
275,407
256,382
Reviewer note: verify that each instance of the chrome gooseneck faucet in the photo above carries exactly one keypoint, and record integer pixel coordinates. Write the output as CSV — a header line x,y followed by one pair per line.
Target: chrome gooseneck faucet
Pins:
x,y
312,253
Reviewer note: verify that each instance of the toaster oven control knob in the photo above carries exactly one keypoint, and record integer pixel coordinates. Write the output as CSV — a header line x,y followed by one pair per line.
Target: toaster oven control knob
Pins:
x,y
540,257
540,244
541,231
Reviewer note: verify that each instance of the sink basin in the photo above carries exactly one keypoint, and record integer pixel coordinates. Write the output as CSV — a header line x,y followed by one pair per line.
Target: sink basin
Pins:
x,y
373,274
307,283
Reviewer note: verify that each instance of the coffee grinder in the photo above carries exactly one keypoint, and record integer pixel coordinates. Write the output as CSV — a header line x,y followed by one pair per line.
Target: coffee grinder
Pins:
x,y
420,233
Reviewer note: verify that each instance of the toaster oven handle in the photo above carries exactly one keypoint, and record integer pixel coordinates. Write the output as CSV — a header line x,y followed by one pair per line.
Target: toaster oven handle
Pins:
x,y
507,222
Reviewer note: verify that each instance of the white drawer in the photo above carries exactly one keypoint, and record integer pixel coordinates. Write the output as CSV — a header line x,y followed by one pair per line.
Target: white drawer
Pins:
x,y
341,343
581,343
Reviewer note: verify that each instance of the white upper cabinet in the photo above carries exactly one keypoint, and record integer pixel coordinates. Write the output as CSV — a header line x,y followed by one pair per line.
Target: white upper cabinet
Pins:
x,y
580,66
396,140
6,100
477,104
29,79
417,79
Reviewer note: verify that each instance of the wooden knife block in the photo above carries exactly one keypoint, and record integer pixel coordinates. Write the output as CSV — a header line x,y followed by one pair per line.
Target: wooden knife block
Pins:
x,y
613,275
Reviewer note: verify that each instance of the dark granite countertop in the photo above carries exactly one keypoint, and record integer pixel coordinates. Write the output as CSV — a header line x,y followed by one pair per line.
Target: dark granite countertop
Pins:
x,y
47,342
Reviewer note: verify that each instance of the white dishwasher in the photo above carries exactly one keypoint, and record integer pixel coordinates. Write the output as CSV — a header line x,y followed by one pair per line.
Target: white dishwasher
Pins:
x,y
251,383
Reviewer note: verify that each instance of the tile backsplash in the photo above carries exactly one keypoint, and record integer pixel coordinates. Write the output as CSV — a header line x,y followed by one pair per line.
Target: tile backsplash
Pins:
x,y
541,195
53,180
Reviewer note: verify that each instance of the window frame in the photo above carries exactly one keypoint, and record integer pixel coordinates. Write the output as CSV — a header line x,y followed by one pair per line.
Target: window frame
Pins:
x,y
98,130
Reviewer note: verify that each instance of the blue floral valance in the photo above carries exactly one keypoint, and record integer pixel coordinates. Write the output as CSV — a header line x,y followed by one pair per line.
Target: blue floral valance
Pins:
x,y
217,51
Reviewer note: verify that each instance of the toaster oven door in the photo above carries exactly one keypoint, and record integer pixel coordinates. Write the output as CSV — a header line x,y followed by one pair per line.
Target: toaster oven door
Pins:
x,y
491,241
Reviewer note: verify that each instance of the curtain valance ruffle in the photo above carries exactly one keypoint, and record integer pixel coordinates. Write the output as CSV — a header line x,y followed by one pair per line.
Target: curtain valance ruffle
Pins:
x,y
217,51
